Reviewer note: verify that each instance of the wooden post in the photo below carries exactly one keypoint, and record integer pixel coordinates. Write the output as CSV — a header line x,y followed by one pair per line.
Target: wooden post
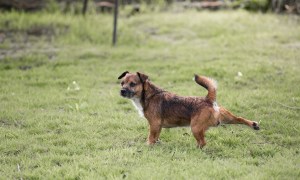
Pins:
x,y
84,8
115,22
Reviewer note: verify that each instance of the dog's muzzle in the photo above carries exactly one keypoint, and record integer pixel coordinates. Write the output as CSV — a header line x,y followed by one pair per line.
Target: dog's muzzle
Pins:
x,y
126,93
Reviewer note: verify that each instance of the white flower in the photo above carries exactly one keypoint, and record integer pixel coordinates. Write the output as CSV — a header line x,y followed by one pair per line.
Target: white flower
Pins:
x,y
73,87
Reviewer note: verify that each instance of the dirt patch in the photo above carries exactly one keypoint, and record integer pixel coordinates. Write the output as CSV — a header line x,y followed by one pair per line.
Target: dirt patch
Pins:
x,y
6,122
37,39
294,45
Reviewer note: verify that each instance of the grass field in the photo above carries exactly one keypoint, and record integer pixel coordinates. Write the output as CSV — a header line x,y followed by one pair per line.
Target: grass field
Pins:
x,y
61,116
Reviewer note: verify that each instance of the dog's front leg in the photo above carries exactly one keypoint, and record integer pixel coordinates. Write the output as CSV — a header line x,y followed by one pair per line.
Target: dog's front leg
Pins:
x,y
154,131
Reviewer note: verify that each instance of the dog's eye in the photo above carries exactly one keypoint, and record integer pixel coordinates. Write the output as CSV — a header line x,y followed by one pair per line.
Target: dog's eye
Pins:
x,y
132,84
122,83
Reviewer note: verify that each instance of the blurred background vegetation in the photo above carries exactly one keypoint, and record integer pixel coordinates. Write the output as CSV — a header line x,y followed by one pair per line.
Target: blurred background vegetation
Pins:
x,y
135,6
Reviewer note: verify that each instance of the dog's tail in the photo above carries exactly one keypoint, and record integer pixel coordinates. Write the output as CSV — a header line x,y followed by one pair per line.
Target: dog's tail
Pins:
x,y
209,84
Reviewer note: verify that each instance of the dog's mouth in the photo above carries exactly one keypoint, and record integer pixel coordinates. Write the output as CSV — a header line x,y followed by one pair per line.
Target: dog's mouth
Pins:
x,y
127,93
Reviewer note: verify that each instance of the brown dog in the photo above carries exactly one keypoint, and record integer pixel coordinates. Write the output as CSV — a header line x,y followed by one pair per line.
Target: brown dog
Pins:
x,y
163,109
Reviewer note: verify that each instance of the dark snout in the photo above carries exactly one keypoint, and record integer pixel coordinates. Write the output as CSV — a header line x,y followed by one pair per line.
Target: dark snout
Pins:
x,y
126,93
123,92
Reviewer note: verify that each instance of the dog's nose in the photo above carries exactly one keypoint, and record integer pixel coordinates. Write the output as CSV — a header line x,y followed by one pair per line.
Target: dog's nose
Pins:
x,y
123,92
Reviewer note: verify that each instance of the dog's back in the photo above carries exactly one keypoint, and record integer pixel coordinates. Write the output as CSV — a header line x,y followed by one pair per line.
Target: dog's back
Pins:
x,y
178,111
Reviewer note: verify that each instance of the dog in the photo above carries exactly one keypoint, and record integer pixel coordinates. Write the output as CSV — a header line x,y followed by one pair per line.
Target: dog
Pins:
x,y
164,109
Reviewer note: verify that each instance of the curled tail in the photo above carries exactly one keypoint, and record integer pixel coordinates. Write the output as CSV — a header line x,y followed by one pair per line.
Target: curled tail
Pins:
x,y
208,84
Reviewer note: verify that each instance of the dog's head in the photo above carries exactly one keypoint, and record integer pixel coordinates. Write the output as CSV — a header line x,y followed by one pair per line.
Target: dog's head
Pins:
x,y
132,85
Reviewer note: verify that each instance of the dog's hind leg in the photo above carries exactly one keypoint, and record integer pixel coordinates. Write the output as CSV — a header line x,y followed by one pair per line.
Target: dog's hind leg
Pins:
x,y
199,136
227,117
199,124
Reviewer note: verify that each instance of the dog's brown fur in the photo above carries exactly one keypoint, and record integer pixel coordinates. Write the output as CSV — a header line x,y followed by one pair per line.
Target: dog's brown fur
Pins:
x,y
164,109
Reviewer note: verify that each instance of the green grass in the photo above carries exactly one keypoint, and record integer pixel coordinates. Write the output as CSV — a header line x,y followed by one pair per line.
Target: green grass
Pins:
x,y
49,130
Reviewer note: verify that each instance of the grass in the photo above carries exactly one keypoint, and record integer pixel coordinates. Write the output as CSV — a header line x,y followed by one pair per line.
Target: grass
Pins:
x,y
52,128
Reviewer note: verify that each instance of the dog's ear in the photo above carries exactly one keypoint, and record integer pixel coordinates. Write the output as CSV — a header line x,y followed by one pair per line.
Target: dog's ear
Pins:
x,y
143,77
123,74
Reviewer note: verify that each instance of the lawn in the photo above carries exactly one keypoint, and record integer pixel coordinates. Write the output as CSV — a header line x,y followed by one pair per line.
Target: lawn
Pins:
x,y
61,116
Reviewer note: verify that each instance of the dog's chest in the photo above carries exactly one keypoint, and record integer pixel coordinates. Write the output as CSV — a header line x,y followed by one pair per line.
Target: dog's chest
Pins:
x,y
137,104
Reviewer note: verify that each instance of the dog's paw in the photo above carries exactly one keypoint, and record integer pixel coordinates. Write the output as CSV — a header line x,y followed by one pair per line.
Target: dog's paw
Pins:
x,y
151,143
255,126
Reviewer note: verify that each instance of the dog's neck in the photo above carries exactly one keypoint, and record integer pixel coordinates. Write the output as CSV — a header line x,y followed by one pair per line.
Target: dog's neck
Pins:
x,y
150,90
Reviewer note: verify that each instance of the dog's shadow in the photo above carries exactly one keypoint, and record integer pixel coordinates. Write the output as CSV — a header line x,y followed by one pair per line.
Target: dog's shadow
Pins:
x,y
179,143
